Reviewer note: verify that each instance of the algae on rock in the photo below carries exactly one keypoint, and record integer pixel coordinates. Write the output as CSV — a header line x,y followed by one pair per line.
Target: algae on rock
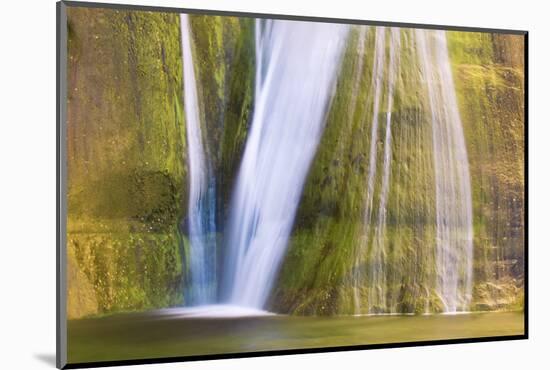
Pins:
x,y
224,64
318,272
489,75
127,175
127,166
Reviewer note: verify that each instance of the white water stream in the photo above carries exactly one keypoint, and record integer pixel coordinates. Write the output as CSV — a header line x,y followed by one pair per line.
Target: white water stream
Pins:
x,y
202,200
296,67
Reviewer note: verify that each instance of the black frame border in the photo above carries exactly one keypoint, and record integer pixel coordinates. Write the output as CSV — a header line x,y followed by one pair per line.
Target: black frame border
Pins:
x,y
61,182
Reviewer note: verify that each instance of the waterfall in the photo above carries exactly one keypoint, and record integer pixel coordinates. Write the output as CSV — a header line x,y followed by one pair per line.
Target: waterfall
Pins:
x,y
296,66
375,92
378,296
202,199
377,273
453,205
454,230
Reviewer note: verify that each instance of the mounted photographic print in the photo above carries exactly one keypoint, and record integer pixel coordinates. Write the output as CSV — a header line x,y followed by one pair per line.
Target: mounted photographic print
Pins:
x,y
234,184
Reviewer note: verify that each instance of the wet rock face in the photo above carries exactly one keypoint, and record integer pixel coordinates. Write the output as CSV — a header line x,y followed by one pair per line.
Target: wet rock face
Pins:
x,y
127,151
224,60
488,77
126,161
128,167
490,86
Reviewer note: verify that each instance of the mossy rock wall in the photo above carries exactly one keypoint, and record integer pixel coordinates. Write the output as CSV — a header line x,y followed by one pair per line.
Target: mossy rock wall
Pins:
x,y
128,176
127,173
489,78
317,276
224,54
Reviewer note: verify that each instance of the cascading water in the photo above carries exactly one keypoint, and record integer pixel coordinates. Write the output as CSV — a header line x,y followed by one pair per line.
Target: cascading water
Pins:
x,y
454,230
453,203
378,297
202,199
377,294
376,93
296,66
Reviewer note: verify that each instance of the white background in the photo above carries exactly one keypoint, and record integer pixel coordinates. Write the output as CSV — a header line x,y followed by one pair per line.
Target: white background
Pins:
x,y
27,183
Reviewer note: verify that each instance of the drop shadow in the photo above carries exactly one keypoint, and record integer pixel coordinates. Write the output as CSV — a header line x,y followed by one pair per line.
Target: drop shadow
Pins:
x,y
46,358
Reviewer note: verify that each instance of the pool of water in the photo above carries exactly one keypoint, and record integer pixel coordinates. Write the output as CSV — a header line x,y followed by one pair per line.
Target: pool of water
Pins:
x,y
188,332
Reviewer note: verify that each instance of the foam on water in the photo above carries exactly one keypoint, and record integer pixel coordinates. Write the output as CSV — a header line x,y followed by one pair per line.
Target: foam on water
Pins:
x,y
216,311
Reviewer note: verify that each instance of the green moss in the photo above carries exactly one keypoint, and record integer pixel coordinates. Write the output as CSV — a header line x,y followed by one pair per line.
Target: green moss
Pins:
x,y
332,208
128,271
224,63
127,173
489,86
318,274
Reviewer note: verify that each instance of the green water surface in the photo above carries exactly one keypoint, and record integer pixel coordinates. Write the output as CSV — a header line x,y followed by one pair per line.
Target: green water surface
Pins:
x,y
157,335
